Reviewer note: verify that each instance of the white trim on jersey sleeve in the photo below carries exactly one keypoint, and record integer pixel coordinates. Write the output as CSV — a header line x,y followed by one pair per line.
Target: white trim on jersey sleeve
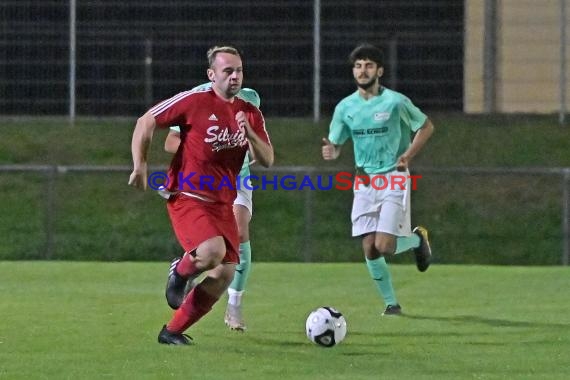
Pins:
x,y
165,104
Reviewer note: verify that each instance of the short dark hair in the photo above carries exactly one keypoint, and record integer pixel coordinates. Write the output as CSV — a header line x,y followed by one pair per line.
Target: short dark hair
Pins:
x,y
367,51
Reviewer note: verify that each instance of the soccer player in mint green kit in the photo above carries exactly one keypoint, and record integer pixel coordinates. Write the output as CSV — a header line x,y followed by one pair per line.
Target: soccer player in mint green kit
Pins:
x,y
243,209
380,123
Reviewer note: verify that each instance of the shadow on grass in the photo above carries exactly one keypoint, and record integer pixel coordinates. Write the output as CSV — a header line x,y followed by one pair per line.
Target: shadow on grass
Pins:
x,y
277,342
495,322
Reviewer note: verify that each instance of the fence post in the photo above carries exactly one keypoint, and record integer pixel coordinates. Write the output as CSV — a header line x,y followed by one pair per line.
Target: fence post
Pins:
x,y
72,59
316,61
148,72
566,217
50,212
307,231
308,216
562,113
490,57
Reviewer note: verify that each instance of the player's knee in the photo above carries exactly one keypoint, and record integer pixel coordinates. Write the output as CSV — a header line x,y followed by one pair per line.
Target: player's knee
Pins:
x,y
228,277
243,236
210,253
384,249
209,258
216,283
223,274
370,252
214,259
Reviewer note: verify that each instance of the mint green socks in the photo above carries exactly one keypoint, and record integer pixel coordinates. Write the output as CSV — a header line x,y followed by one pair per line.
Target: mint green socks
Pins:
x,y
243,268
405,243
380,273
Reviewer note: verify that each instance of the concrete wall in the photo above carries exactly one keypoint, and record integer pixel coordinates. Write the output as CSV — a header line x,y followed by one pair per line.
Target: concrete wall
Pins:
x,y
528,56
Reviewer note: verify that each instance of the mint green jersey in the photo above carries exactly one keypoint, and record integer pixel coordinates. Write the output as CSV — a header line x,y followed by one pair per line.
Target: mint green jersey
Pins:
x,y
380,128
247,94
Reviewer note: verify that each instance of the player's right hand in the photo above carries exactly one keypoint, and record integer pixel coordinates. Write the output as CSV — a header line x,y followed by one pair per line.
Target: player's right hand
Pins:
x,y
138,179
328,150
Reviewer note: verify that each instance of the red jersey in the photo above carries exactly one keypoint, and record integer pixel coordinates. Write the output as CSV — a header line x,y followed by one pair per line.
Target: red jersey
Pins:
x,y
212,147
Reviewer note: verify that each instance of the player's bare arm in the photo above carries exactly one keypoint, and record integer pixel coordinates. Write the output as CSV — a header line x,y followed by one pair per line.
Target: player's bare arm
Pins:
x,y
329,150
172,142
142,137
252,159
262,151
420,139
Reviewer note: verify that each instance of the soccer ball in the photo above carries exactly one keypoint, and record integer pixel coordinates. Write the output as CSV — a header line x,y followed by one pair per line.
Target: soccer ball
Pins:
x,y
326,326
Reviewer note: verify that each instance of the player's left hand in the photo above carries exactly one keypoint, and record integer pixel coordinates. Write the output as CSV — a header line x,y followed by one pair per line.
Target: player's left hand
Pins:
x,y
242,122
402,164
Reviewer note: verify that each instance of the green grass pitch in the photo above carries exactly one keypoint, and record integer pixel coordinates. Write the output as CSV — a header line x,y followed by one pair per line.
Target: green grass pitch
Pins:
x,y
63,320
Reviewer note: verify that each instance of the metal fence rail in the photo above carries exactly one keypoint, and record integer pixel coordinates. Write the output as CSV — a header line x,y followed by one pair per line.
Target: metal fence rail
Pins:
x,y
54,173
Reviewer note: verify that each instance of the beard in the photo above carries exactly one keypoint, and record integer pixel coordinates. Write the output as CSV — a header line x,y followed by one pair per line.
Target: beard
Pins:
x,y
366,85
233,90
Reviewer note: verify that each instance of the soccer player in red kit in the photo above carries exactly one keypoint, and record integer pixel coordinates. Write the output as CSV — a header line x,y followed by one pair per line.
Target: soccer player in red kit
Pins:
x,y
216,130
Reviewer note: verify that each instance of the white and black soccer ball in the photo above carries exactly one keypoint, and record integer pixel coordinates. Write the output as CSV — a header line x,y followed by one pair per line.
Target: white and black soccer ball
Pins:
x,y
326,326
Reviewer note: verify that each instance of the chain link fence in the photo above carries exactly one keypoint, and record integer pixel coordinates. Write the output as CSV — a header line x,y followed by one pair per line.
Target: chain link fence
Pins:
x,y
499,216
115,58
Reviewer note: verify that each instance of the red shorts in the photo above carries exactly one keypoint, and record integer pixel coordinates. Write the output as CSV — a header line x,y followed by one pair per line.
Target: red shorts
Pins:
x,y
195,221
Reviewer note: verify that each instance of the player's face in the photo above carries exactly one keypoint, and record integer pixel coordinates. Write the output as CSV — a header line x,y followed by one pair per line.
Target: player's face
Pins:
x,y
366,73
226,74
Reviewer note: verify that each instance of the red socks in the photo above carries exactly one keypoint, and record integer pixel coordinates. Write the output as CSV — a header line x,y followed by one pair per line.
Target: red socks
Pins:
x,y
197,304
186,267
